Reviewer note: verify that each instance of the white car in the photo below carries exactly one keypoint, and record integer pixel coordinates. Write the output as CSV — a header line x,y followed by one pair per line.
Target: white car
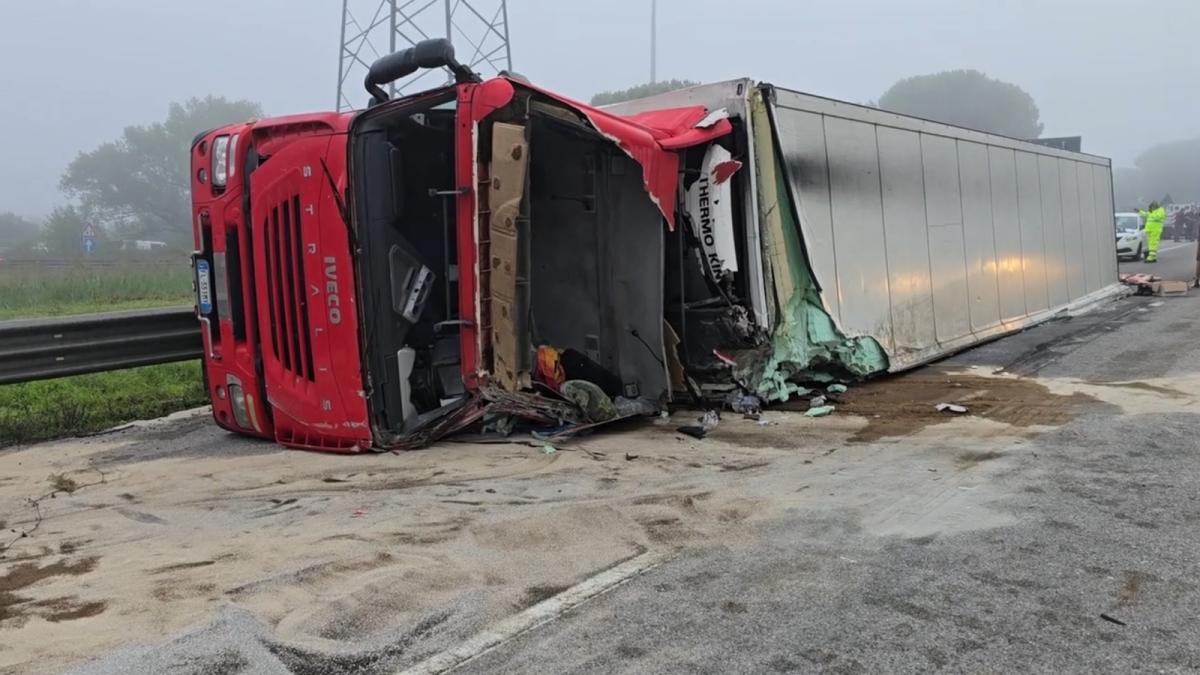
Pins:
x,y
1131,236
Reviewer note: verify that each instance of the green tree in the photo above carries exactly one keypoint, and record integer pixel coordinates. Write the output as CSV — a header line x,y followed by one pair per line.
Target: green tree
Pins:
x,y
139,183
16,229
1172,169
640,91
966,98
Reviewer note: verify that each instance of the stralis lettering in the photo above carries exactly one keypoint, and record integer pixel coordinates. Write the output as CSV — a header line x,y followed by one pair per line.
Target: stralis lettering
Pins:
x,y
333,303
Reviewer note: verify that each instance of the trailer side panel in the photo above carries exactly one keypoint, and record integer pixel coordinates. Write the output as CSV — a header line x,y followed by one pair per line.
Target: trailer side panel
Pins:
x,y
928,237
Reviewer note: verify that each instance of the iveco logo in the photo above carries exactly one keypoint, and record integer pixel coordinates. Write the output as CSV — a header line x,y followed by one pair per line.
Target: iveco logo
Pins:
x,y
333,304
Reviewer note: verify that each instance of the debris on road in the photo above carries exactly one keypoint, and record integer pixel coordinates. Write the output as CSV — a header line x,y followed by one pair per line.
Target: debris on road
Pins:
x,y
635,407
1172,288
817,402
710,420
1151,284
591,399
952,408
820,411
740,402
695,432
1112,619
549,449
1139,278
836,389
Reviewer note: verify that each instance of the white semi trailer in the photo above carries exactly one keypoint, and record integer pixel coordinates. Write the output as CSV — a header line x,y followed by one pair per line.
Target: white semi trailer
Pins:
x,y
876,241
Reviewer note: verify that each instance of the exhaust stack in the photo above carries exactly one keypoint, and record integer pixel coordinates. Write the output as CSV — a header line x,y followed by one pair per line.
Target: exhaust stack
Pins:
x,y
437,53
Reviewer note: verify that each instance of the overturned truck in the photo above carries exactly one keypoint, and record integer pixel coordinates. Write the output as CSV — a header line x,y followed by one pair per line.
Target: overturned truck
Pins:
x,y
490,253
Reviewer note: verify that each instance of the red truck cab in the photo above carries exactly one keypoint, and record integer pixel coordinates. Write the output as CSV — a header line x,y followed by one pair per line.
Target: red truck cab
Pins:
x,y
275,290
377,279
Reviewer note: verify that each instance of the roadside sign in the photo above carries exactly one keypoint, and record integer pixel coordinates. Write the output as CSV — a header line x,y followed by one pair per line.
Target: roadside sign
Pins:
x,y
89,238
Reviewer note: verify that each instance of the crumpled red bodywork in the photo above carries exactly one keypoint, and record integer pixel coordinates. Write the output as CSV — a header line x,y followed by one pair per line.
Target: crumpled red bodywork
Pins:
x,y
326,409
653,140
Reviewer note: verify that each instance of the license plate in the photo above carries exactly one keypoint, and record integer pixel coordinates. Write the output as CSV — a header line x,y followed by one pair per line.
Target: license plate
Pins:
x,y
204,286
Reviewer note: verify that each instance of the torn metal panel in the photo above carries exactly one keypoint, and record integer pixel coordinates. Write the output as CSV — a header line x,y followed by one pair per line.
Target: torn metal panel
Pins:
x,y
649,139
730,98
806,343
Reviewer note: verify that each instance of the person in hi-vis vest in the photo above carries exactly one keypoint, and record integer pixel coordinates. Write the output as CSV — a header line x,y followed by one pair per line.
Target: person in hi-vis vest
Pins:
x,y
1155,217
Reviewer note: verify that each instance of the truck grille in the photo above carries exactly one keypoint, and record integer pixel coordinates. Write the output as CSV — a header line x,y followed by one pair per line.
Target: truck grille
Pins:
x,y
287,301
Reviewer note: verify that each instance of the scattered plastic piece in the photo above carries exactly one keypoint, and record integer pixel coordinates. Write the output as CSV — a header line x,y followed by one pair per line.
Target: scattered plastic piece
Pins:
x,y
664,415
359,513
549,449
1157,303
820,411
951,407
836,389
817,402
694,432
710,420
1113,619
630,457
724,358
743,403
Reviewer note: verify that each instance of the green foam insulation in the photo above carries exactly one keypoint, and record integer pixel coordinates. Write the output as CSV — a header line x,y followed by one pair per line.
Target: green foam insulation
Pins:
x,y
805,345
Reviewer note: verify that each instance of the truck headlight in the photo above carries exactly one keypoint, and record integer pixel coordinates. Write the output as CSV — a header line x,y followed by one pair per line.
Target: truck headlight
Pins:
x,y
237,400
220,161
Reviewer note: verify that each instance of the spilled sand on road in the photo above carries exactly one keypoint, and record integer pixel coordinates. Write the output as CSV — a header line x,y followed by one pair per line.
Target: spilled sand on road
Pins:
x,y
381,559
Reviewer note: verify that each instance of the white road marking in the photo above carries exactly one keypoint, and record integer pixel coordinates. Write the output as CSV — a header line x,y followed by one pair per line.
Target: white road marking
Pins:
x,y
537,615
1163,249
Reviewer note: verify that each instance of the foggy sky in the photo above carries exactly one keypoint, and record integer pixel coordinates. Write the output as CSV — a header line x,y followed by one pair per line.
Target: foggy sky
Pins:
x,y
74,73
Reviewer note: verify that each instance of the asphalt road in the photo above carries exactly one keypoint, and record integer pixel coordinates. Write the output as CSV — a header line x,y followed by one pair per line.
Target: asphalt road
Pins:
x,y
1176,261
1055,527
1104,521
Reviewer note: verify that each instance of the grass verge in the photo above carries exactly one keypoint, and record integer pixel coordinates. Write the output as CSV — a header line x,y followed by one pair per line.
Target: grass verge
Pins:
x,y
71,406
30,291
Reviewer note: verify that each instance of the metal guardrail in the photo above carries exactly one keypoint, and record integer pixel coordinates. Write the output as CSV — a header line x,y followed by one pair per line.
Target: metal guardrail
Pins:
x,y
38,349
